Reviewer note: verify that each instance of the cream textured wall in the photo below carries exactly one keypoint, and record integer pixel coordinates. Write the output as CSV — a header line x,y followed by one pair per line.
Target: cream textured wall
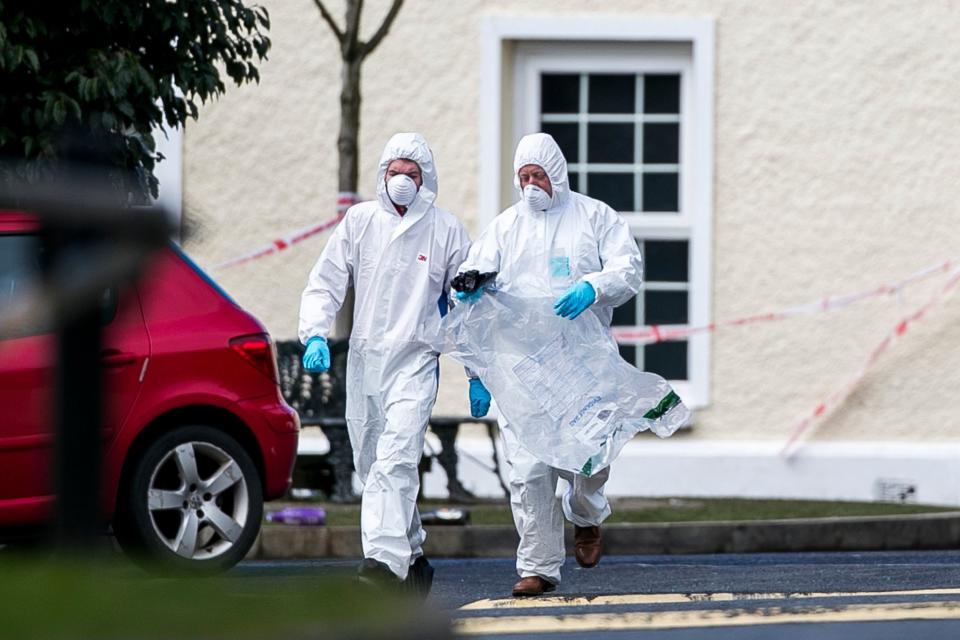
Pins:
x,y
836,164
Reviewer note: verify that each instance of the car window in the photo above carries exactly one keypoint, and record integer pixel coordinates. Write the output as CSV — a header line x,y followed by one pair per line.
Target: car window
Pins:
x,y
19,271
21,259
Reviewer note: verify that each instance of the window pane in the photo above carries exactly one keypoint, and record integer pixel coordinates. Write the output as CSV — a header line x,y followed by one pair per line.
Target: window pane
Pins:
x,y
628,352
665,307
567,136
626,314
666,260
574,179
559,93
616,189
668,359
661,192
661,94
610,142
20,270
19,266
612,93
661,143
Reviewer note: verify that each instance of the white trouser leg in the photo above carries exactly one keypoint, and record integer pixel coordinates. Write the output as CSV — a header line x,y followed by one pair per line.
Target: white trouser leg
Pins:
x,y
364,431
584,503
389,522
389,429
536,511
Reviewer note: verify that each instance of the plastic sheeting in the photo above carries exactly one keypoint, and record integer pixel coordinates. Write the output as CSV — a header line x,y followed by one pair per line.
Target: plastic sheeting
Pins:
x,y
562,386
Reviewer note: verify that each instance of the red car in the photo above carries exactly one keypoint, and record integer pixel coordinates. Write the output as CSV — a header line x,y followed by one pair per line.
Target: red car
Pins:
x,y
196,434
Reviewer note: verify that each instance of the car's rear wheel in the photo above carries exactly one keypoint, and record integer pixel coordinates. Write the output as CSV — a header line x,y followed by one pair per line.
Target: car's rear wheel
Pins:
x,y
193,502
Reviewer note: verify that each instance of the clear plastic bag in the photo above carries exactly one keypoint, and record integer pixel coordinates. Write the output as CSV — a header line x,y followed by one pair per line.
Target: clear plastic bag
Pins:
x,y
561,385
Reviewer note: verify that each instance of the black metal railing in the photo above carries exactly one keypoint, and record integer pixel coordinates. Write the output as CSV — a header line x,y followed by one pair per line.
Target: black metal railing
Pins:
x,y
320,399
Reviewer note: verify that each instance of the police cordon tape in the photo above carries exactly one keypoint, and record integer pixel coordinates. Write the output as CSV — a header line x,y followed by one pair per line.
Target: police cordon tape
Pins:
x,y
837,398
345,200
641,335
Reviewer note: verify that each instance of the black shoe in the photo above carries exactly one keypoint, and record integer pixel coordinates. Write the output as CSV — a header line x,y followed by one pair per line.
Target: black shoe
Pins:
x,y
375,573
419,578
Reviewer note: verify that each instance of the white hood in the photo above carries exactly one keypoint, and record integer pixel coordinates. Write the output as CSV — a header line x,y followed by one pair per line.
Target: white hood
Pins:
x,y
409,146
542,150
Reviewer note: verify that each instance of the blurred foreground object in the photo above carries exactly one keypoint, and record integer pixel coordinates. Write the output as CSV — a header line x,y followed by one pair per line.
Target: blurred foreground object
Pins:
x,y
67,600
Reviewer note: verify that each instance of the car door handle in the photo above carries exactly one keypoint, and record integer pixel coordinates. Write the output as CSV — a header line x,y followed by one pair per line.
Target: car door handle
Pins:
x,y
114,358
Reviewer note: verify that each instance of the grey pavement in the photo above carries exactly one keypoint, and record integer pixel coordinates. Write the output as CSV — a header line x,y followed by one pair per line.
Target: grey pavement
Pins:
x,y
834,576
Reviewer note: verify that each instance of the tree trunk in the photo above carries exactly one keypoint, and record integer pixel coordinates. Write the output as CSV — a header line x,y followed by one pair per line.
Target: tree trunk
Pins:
x,y
349,168
349,124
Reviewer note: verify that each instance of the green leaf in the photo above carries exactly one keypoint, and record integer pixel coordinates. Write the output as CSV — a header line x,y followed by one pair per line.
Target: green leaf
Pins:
x,y
59,112
126,109
145,78
15,56
73,107
32,59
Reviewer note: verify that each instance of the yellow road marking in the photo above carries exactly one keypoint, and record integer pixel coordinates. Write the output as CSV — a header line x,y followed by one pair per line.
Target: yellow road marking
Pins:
x,y
673,598
694,619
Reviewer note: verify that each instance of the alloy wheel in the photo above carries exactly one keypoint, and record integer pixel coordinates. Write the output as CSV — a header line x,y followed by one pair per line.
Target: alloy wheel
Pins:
x,y
198,500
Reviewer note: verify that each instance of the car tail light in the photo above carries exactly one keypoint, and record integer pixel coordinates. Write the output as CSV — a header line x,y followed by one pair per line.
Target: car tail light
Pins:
x,y
259,352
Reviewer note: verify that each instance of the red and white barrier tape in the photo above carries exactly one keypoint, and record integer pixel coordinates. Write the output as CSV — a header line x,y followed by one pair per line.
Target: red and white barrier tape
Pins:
x,y
836,399
345,200
661,333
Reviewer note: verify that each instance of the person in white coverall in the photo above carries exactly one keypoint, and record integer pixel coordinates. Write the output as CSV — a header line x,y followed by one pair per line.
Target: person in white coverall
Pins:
x,y
558,243
399,252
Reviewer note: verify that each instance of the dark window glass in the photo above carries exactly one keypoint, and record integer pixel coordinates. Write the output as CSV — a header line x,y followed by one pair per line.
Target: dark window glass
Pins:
x,y
612,93
666,260
574,179
20,270
567,135
665,307
610,142
661,94
626,314
661,143
628,352
661,192
108,306
616,189
19,266
667,359
559,93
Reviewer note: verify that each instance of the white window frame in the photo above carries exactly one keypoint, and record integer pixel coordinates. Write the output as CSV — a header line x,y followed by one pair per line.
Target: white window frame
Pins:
x,y
508,39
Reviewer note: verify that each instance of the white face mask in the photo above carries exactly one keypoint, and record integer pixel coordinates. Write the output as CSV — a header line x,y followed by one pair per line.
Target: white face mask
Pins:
x,y
402,189
536,198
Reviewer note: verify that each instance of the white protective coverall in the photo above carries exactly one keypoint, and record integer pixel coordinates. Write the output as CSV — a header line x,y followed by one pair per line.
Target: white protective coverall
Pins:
x,y
538,253
399,266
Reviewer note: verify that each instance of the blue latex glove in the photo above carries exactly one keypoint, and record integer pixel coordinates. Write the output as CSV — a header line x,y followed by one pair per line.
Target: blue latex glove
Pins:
x,y
316,358
479,398
575,301
469,298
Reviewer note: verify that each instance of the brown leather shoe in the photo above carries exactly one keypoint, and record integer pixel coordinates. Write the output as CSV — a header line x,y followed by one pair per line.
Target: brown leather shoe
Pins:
x,y
532,586
588,546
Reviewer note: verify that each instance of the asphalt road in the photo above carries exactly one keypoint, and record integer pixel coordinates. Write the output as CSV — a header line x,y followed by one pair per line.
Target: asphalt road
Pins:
x,y
827,596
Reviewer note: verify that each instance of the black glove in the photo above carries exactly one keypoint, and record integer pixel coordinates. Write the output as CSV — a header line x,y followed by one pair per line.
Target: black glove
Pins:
x,y
470,281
